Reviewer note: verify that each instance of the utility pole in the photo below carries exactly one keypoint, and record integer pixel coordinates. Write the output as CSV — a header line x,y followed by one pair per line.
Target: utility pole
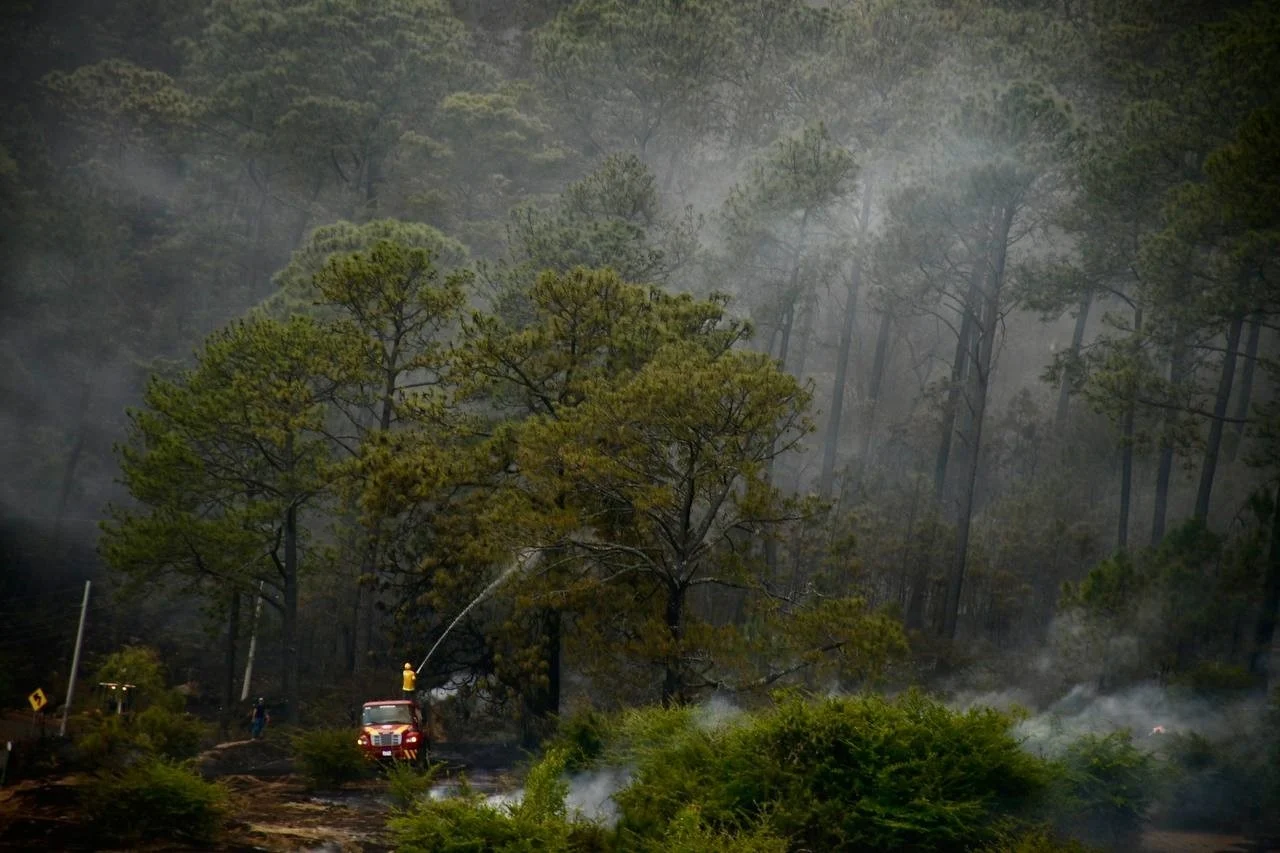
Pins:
x,y
75,661
253,645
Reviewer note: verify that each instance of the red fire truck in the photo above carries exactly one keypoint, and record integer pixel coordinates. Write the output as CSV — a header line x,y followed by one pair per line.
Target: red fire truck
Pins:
x,y
394,729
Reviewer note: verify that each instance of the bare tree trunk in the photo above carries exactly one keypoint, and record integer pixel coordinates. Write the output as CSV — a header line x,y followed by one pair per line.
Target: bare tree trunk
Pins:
x,y
784,346
959,369
289,627
229,666
1077,340
990,315
1246,384
832,442
1126,450
873,389
807,311
1210,464
675,629
1269,613
1177,359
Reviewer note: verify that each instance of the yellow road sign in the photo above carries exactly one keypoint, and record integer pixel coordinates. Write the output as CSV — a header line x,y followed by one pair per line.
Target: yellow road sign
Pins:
x,y
38,700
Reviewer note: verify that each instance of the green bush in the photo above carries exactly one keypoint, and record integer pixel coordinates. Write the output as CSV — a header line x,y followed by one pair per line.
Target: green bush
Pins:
x,y
168,734
1104,789
407,783
583,736
112,741
1222,784
1214,677
1039,839
689,832
848,773
329,757
467,822
105,741
156,799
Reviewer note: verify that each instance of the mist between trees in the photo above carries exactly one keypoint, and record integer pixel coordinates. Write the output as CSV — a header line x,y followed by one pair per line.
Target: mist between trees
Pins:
x,y
806,343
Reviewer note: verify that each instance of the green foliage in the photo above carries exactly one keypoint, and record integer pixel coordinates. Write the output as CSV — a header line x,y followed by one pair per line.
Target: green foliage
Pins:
x,y
583,738
467,822
1225,781
408,783
1177,603
545,789
156,800
141,667
106,740
1034,840
1105,788
855,773
1215,677
689,832
329,757
168,734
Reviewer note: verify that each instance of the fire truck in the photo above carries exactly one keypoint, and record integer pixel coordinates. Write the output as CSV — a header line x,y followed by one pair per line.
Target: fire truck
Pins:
x,y
394,729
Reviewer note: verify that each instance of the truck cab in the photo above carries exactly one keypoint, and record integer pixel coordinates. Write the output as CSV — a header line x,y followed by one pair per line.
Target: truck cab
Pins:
x,y
393,729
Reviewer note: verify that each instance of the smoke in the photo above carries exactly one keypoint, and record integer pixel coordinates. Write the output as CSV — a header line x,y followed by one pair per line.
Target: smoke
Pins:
x,y
1148,711
590,795
716,712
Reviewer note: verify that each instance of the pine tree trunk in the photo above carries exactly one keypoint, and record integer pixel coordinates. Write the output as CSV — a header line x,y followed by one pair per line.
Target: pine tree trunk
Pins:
x,y
875,383
1126,451
807,312
1164,471
788,319
671,681
979,386
228,714
959,370
542,704
832,442
289,627
1246,384
1269,613
1209,466
1077,341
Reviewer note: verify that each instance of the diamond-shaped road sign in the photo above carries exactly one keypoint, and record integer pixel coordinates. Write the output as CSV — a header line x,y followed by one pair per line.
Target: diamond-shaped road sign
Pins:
x,y
37,699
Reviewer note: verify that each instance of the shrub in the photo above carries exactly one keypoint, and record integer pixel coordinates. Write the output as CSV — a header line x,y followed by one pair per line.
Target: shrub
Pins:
x,y
168,734
689,832
1103,791
848,773
583,737
106,741
113,741
156,799
407,784
329,757
468,822
1039,839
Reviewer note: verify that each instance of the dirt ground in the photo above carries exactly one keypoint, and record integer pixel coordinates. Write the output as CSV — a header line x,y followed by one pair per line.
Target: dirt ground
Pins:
x,y
272,809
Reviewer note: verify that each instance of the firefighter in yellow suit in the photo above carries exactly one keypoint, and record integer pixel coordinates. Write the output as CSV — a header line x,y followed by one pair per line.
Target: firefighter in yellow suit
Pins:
x,y
410,681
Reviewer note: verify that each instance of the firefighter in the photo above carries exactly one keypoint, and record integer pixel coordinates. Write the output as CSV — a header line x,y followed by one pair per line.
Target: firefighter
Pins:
x,y
409,680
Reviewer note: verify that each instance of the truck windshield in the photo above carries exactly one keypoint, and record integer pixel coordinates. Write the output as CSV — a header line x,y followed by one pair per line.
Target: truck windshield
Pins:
x,y
376,715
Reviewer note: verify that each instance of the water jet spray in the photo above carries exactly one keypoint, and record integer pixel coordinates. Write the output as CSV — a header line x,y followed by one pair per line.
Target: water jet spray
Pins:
x,y
525,559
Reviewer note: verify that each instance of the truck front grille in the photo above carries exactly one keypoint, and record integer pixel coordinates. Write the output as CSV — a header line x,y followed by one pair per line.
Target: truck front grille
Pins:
x,y
386,739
